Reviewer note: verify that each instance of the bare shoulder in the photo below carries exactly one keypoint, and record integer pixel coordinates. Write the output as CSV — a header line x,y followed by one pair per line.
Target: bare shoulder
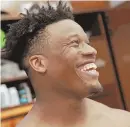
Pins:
x,y
121,115
116,116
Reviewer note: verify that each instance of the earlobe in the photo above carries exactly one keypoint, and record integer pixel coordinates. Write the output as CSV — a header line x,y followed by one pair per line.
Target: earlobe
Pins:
x,y
38,63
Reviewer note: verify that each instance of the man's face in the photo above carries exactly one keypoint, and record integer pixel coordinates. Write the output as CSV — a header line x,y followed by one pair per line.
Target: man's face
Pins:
x,y
71,59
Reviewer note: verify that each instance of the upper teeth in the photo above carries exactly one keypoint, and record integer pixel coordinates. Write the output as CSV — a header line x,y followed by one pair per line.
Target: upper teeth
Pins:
x,y
89,66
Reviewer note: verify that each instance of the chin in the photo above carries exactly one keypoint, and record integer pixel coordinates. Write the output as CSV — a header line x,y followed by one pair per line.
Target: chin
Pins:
x,y
91,88
90,83
94,89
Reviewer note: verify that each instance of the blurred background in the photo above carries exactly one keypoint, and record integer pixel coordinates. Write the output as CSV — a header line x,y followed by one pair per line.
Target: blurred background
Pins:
x,y
108,25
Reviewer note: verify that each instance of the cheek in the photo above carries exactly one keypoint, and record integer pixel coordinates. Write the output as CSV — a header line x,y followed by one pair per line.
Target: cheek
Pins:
x,y
61,64
70,57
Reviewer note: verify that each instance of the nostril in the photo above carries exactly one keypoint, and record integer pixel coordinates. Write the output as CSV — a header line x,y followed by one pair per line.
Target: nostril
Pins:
x,y
90,55
88,50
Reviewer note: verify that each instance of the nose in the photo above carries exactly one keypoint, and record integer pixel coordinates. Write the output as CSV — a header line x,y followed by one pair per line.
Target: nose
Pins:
x,y
88,50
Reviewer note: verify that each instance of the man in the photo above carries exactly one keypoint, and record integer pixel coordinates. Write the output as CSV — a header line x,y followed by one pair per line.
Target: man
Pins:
x,y
55,52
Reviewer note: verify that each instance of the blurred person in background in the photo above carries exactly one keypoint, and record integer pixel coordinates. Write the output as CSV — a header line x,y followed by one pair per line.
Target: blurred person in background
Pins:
x,y
57,56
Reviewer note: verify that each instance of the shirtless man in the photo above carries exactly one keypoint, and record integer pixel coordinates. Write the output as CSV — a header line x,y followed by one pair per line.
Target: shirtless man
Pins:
x,y
55,52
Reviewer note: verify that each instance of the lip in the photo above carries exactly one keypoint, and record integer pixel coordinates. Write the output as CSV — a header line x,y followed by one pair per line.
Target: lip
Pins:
x,y
95,74
86,62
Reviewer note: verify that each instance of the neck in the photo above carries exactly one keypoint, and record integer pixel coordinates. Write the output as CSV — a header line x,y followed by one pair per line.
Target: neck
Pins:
x,y
60,110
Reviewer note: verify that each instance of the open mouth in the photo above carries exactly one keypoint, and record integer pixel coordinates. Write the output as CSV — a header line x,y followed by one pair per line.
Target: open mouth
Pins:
x,y
90,69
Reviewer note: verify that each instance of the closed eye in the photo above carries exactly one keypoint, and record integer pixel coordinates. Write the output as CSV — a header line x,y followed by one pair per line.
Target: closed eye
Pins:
x,y
75,43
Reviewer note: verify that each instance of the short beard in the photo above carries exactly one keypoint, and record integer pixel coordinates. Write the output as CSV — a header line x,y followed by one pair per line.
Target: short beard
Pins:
x,y
95,91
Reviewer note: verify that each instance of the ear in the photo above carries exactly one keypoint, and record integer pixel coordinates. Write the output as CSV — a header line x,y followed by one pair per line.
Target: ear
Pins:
x,y
38,63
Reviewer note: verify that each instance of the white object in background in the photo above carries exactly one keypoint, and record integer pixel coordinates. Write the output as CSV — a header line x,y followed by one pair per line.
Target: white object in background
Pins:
x,y
28,92
89,34
114,3
10,70
100,63
14,97
4,96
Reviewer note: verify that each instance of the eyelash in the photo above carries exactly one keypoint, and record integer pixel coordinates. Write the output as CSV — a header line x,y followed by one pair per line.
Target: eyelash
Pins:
x,y
76,42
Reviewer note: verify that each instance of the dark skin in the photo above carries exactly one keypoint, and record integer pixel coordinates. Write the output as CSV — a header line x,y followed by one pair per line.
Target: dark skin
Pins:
x,y
60,86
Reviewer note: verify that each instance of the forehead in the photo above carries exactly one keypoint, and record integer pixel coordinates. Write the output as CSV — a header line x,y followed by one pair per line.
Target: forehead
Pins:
x,y
64,29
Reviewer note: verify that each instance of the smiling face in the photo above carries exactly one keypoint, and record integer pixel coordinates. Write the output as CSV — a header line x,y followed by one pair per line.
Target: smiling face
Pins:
x,y
71,60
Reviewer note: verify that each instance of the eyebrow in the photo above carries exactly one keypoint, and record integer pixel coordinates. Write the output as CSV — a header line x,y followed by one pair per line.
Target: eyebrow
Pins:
x,y
77,35
73,35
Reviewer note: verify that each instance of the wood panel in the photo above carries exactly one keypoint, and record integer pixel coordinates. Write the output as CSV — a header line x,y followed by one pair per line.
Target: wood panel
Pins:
x,y
15,111
119,20
12,122
107,77
10,117
119,15
89,6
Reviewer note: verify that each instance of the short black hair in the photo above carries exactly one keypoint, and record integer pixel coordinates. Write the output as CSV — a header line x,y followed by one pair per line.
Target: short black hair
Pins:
x,y
23,35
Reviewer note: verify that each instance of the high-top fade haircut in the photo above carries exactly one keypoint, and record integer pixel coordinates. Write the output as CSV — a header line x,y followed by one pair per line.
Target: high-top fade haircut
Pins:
x,y
26,37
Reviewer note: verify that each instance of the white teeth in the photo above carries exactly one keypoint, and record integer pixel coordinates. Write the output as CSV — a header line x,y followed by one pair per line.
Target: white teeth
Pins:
x,y
89,66
85,68
92,71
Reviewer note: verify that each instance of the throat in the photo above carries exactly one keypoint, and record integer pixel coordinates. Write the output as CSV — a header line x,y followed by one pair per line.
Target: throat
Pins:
x,y
62,113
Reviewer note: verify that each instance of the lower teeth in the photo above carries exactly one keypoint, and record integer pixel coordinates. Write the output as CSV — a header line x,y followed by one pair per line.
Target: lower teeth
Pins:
x,y
92,71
